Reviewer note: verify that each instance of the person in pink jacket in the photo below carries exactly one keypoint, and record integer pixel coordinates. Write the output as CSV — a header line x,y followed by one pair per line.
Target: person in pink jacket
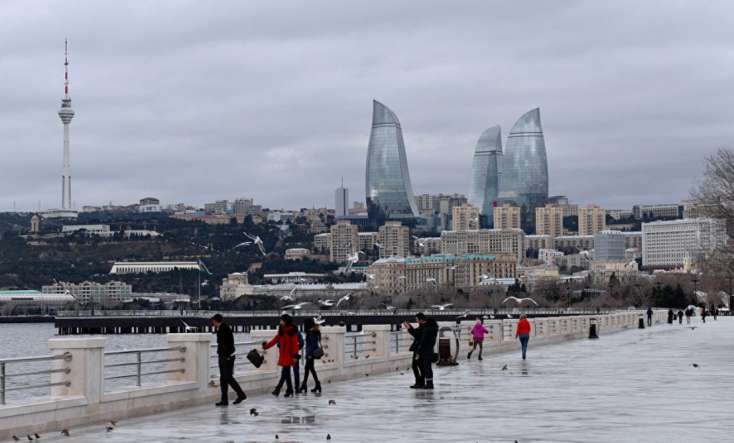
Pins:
x,y
477,335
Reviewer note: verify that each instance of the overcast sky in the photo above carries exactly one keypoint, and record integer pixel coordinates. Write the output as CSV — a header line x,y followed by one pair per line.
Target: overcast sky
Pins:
x,y
197,101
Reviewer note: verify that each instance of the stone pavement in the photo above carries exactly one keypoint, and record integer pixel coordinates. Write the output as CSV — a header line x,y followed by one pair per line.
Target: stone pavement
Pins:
x,y
633,386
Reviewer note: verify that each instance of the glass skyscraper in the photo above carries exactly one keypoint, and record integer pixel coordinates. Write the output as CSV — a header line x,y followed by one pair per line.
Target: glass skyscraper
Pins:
x,y
388,189
524,171
485,172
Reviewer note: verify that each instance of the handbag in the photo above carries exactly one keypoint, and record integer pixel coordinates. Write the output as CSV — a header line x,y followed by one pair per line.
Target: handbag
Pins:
x,y
318,353
255,358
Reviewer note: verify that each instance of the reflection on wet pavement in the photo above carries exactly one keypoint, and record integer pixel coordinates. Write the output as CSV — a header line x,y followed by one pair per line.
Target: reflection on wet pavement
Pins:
x,y
638,385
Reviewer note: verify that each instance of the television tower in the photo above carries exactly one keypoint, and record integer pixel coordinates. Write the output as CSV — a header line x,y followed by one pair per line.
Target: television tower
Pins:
x,y
66,114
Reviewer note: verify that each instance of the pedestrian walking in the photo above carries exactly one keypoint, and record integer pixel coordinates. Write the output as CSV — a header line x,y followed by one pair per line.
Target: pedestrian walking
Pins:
x,y
314,351
297,362
649,316
680,316
714,312
523,333
670,316
424,350
477,335
689,314
226,357
287,352
415,365
703,313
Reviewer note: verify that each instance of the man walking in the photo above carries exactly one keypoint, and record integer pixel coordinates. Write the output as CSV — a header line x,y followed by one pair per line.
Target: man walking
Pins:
x,y
226,354
649,317
415,362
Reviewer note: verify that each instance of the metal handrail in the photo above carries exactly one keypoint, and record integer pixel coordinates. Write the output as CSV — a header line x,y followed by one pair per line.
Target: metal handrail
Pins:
x,y
241,343
139,362
4,376
145,350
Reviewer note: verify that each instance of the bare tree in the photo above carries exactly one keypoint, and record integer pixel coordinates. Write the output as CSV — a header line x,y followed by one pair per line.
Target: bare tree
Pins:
x,y
715,192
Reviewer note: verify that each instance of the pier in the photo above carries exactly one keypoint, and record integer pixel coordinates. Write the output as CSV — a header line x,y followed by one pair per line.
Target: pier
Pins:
x,y
183,373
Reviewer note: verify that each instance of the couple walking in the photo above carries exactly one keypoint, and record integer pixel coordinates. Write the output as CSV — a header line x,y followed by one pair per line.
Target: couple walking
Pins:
x,y
478,332
289,342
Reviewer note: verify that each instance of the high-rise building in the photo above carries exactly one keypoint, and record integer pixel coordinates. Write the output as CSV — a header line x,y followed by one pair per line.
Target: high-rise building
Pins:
x,y
344,241
485,171
549,220
674,243
218,207
388,189
242,206
524,171
609,246
506,217
341,201
656,212
591,220
394,240
465,218
66,114
538,242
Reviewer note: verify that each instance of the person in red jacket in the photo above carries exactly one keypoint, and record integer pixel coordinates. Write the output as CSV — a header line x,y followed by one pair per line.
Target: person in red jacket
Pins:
x,y
287,341
523,333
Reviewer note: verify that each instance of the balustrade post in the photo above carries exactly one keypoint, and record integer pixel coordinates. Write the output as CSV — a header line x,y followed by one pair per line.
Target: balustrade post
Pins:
x,y
196,357
85,367
381,339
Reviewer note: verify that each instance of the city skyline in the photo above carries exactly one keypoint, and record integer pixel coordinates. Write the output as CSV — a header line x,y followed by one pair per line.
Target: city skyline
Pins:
x,y
183,115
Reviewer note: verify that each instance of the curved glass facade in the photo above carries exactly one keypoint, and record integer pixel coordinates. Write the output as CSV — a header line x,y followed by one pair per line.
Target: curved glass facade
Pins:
x,y
524,171
485,171
388,189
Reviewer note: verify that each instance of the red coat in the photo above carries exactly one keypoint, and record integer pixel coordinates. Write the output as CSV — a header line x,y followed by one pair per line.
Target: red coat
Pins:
x,y
523,327
287,341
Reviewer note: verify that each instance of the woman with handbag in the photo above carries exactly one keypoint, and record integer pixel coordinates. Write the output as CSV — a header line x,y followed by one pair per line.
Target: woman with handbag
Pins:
x,y
314,351
287,353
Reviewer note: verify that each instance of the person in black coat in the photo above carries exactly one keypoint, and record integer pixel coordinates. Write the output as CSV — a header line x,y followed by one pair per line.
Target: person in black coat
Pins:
x,y
424,347
415,361
226,354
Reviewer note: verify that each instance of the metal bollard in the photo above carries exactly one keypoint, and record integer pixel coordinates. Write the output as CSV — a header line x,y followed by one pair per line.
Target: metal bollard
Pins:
x,y
641,323
593,332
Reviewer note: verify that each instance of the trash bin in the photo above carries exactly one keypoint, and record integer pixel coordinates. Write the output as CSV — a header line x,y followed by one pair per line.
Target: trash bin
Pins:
x,y
593,328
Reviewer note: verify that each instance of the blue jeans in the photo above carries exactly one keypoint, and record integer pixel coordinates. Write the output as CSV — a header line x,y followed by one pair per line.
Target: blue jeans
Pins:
x,y
524,338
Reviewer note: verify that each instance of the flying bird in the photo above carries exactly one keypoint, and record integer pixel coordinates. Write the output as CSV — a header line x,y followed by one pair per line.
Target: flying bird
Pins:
x,y
519,301
242,245
187,328
343,299
504,368
258,242
326,303
442,307
296,307
353,259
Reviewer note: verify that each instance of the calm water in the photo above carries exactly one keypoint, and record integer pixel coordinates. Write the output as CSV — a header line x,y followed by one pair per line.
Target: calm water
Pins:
x,y
31,339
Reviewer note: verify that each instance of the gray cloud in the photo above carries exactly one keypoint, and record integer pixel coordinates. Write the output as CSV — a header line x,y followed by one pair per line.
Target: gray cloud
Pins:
x,y
196,101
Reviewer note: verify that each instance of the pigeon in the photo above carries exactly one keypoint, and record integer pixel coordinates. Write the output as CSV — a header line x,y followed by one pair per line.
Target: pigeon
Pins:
x,y
276,436
332,402
328,437
65,432
113,422
110,428
37,436
29,438
504,368
254,412
695,365
15,438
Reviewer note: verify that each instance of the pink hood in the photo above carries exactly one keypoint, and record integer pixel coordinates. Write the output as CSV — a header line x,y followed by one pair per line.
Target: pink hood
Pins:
x,y
478,331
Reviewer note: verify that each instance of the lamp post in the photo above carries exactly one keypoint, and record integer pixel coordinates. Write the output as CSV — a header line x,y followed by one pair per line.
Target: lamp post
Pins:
x,y
695,288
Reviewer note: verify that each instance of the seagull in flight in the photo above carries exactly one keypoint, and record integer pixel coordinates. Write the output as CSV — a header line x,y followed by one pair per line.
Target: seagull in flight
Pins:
x,y
258,242
519,301
343,299
295,307
291,296
242,245
188,328
442,307
326,303
353,259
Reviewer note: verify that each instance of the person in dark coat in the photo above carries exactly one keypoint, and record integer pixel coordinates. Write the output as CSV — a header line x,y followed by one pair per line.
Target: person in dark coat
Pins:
x,y
670,316
680,316
415,365
649,317
424,349
226,354
313,343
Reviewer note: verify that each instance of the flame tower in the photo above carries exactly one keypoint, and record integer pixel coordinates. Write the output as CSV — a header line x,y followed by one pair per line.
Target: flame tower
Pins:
x,y
66,114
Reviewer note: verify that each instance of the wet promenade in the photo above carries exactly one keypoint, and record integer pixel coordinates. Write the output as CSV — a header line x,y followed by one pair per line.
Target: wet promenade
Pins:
x,y
637,385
